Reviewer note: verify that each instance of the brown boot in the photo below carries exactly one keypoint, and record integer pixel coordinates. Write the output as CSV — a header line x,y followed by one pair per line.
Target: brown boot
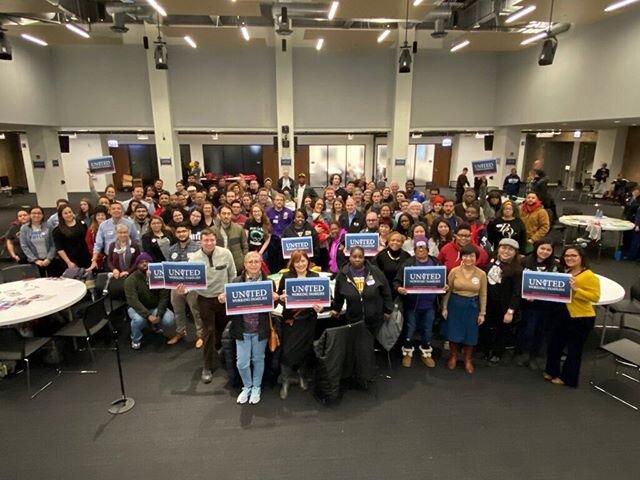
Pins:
x,y
176,338
407,356
427,359
468,358
453,355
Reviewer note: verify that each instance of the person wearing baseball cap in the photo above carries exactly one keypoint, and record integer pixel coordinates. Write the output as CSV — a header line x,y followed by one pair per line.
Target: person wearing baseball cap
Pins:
x,y
419,309
146,306
302,191
504,285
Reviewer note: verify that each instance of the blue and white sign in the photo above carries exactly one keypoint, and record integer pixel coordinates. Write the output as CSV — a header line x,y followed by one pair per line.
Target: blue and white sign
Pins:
x,y
368,241
484,167
156,276
425,279
102,165
546,286
307,292
290,245
249,297
192,275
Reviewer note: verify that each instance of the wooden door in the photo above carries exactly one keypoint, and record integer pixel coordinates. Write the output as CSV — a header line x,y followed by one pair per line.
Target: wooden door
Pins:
x,y
301,162
441,166
270,164
121,161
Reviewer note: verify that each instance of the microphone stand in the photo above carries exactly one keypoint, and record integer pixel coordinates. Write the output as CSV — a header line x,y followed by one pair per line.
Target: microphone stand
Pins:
x,y
124,403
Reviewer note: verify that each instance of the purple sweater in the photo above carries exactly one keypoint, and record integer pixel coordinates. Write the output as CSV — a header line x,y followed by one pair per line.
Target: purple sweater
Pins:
x,y
279,220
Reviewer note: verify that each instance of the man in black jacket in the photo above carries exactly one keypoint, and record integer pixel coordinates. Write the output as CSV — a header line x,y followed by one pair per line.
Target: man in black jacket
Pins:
x,y
352,220
303,191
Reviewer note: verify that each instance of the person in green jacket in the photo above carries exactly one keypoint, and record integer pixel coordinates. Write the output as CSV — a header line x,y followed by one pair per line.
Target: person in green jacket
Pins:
x,y
146,306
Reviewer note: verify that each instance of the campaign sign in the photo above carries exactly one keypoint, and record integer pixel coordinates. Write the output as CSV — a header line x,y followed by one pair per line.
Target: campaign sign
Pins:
x,y
156,275
307,292
102,165
290,245
546,286
368,241
425,279
190,274
249,297
484,167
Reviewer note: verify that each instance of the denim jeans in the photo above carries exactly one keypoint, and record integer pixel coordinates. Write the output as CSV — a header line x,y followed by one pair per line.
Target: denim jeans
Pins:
x,y
422,321
250,351
138,322
531,335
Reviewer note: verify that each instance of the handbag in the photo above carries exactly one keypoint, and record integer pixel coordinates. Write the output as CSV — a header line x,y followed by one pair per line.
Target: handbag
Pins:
x,y
274,339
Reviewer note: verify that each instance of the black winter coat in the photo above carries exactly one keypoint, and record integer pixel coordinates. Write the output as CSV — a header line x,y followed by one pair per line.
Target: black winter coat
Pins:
x,y
370,305
306,231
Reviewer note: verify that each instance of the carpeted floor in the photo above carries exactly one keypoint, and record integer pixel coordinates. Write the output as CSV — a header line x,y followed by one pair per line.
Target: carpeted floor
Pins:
x,y
499,423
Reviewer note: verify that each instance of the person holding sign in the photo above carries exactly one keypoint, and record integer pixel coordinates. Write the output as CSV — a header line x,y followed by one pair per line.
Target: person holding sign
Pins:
x,y
464,307
572,328
504,278
301,228
250,331
298,327
419,309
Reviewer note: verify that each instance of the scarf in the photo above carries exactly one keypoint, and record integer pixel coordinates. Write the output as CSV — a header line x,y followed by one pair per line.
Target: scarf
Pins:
x,y
124,255
529,209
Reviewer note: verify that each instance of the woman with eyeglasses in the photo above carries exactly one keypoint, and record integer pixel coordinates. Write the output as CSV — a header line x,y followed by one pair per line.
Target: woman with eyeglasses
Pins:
x,y
572,328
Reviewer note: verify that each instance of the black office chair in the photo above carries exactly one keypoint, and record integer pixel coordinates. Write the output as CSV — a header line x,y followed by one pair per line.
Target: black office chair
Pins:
x,y
627,307
16,273
90,321
14,347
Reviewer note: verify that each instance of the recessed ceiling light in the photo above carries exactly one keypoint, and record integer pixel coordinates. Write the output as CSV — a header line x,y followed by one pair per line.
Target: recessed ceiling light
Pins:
x,y
190,41
333,10
77,30
417,2
157,7
245,32
534,38
383,35
319,44
620,4
520,13
460,46
32,39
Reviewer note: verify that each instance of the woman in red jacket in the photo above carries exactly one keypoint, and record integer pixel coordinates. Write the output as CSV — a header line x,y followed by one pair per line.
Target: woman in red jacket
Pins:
x,y
450,254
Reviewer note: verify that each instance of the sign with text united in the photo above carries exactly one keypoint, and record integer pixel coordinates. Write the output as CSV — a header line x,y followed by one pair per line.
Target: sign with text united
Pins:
x,y
190,274
249,297
290,245
425,279
102,165
484,167
156,275
369,242
546,286
307,292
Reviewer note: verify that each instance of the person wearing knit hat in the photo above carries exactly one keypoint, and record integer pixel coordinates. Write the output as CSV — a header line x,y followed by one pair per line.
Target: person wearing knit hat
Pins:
x,y
146,307
419,309
504,285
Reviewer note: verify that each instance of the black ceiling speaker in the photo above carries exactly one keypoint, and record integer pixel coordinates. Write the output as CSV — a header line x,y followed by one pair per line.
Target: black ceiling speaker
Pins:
x,y
5,46
488,143
145,42
405,60
548,51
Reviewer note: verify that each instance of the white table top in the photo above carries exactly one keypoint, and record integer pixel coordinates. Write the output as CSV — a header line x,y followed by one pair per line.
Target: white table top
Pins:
x,y
607,223
610,291
30,299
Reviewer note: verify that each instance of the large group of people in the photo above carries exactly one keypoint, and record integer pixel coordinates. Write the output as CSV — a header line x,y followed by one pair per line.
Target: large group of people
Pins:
x,y
235,228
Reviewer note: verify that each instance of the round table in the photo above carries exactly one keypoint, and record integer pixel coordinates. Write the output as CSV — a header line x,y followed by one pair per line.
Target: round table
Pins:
x,y
608,224
30,299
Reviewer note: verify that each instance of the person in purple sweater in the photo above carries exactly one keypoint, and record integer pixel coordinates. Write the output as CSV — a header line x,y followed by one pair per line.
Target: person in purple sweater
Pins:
x,y
279,216
419,309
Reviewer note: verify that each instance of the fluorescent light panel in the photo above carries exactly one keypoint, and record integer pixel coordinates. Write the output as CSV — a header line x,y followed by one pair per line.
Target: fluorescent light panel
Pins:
x,y
417,2
333,10
383,35
245,32
156,6
77,30
319,43
190,41
620,4
534,38
460,45
26,36
520,13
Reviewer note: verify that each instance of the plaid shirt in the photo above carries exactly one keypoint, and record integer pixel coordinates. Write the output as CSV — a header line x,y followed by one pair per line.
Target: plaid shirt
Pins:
x,y
180,254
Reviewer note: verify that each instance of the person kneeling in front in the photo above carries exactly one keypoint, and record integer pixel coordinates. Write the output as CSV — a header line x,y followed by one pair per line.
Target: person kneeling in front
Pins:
x,y
146,306
250,332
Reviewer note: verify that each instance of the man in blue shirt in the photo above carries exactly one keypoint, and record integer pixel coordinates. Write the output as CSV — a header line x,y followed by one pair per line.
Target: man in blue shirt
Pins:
x,y
412,193
106,233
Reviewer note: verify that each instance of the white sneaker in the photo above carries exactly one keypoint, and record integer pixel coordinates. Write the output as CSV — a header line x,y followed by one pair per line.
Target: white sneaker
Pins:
x,y
244,395
255,395
136,345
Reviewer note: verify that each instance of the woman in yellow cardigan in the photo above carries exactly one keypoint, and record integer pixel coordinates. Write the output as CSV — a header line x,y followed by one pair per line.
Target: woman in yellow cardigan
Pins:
x,y
572,329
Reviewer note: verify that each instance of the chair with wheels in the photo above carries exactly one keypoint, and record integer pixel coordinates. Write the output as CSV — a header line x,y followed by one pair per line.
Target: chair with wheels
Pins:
x,y
17,348
16,273
92,319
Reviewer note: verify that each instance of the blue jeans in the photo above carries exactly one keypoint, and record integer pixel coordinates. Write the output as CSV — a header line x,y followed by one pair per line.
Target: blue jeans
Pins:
x,y
250,351
422,321
138,322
